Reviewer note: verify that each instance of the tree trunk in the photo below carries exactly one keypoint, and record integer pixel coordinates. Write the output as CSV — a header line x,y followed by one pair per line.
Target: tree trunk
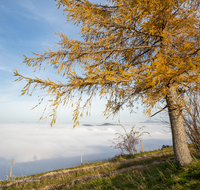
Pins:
x,y
181,150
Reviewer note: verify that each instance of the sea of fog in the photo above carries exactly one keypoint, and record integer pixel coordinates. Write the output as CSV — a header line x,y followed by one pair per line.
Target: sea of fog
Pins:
x,y
37,148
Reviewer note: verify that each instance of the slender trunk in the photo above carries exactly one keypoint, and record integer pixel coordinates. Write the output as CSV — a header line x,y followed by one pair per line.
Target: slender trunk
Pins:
x,y
181,150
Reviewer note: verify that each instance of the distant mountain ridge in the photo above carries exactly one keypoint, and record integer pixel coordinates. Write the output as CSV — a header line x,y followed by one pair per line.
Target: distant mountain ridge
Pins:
x,y
104,124
150,121
108,124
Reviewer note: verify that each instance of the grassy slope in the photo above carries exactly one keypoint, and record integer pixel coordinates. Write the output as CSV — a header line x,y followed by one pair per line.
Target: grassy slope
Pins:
x,y
165,175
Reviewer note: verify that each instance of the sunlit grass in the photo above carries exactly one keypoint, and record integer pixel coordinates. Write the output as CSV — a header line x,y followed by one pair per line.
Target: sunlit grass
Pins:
x,y
161,176
165,175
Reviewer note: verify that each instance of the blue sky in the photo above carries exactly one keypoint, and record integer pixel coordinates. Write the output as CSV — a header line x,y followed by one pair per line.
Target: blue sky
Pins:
x,y
28,26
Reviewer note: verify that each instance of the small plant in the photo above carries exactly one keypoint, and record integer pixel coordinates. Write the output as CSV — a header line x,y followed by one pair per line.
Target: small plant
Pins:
x,y
129,140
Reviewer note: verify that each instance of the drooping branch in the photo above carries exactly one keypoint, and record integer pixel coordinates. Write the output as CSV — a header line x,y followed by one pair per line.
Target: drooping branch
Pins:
x,y
159,111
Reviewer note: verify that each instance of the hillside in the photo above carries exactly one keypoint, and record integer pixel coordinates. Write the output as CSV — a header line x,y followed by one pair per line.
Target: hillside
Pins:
x,y
148,169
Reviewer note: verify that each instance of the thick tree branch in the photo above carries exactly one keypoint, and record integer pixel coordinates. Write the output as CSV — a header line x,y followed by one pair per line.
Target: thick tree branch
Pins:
x,y
158,111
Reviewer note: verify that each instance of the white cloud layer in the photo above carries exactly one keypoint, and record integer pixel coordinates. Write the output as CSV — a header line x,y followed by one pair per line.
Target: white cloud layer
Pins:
x,y
30,142
37,148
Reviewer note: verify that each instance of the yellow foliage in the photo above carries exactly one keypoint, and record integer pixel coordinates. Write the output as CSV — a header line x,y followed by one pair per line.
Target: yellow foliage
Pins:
x,y
131,49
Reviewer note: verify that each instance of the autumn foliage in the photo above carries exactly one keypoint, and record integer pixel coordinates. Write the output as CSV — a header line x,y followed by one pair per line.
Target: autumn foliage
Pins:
x,y
131,49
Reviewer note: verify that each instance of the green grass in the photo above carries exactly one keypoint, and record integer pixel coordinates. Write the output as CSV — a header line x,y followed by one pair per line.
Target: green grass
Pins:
x,y
162,176
165,175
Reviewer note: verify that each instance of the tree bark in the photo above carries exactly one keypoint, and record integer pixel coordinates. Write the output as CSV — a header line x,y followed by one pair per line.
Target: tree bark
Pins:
x,y
181,150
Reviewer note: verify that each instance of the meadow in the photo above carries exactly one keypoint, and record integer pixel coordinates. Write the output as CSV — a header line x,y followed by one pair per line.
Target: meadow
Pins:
x,y
148,170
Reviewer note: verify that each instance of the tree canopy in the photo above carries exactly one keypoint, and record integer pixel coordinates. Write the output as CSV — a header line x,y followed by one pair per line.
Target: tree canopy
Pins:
x,y
131,49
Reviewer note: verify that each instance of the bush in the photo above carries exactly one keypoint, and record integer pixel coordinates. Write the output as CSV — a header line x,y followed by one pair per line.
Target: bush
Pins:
x,y
129,140
192,120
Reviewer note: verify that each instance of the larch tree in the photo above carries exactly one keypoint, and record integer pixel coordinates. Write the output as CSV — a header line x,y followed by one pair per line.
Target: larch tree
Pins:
x,y
131,49
191,118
